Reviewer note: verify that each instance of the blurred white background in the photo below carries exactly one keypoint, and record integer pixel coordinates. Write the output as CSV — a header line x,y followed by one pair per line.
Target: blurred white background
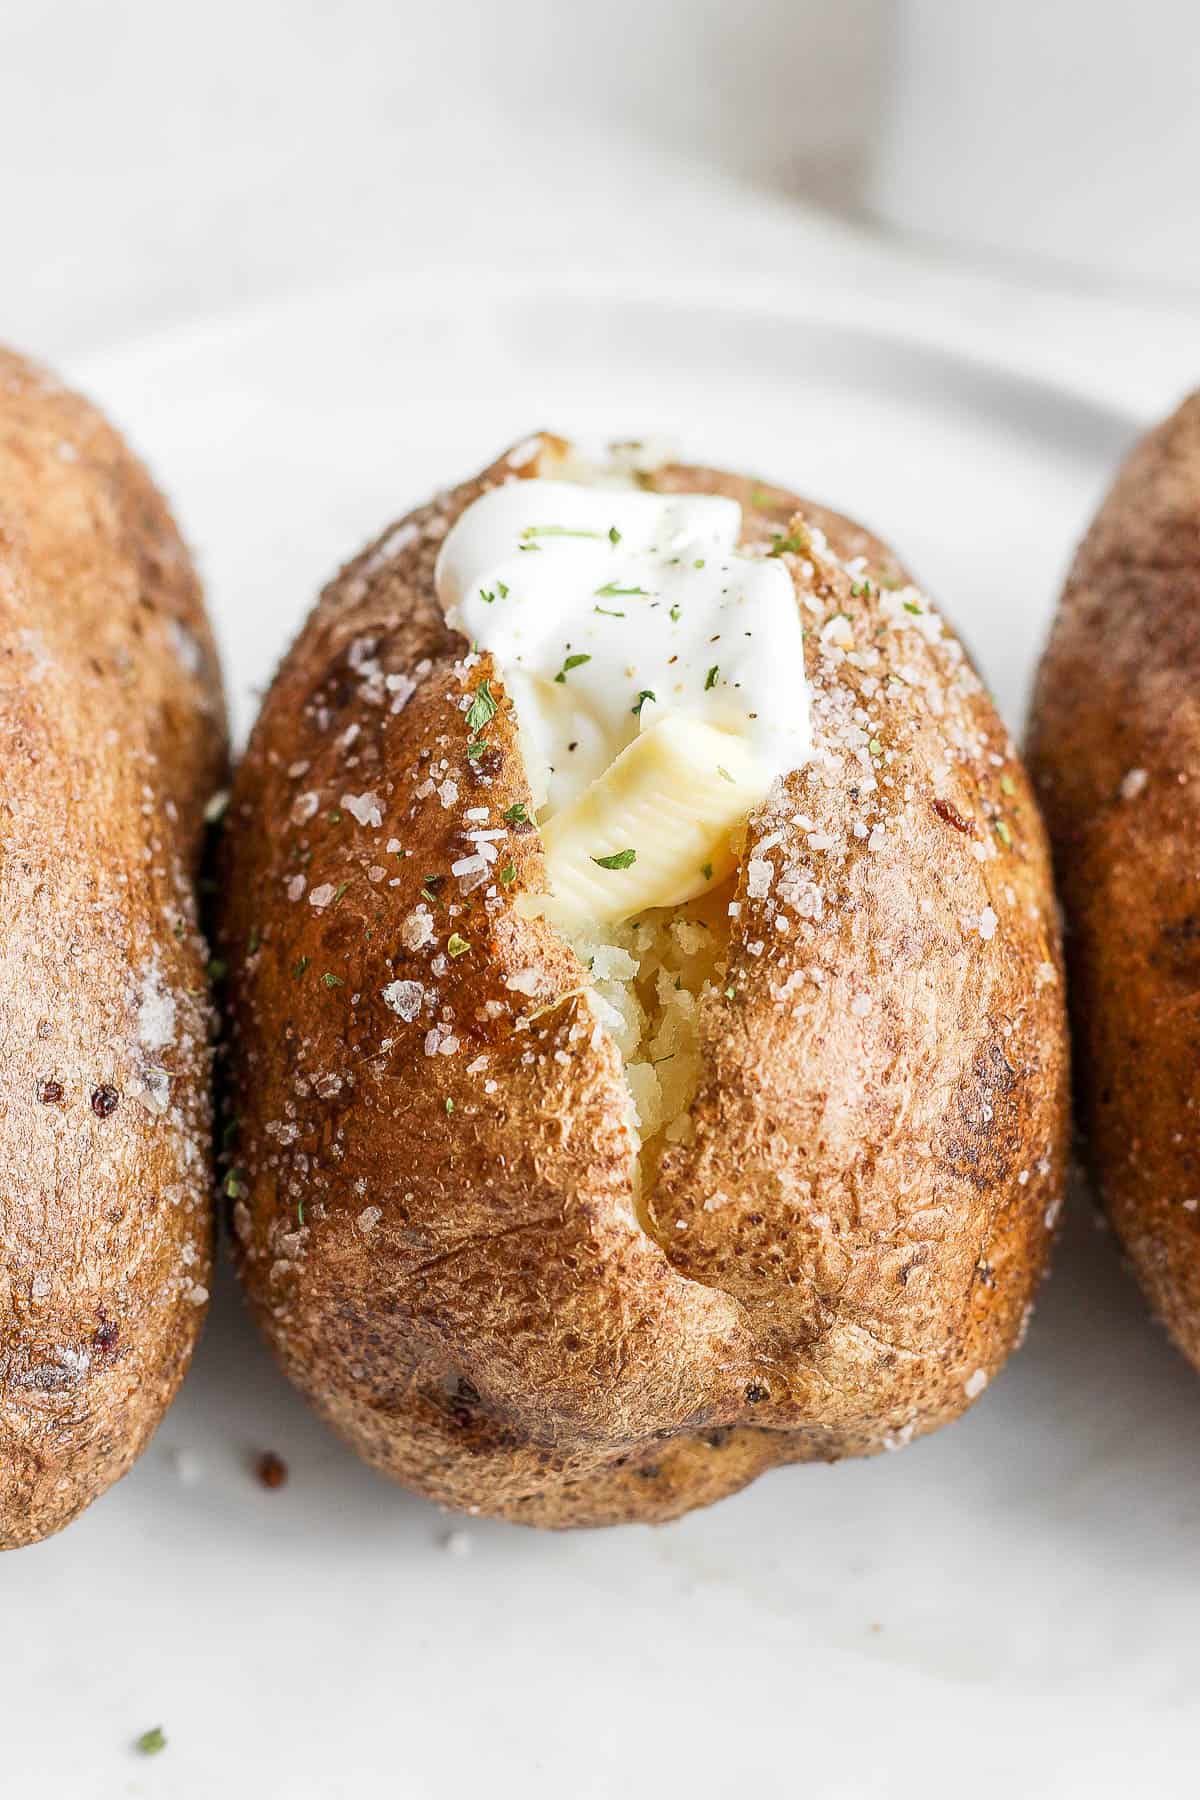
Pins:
x,y
1063,129
158,162
161,164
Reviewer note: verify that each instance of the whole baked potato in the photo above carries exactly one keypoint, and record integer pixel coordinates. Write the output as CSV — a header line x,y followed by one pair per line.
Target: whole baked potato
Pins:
x,y
599,1146
113,741
1115,750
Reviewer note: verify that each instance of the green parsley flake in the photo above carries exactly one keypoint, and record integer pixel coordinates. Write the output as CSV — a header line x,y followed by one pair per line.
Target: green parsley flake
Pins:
x,y
1004,834
456,945
644,695
875,747
516,814
234,1183
556,531
482,709
614,536
622,859
151,1742
724,774
449,1107
508,874
1007,785
217,969
612,590
299,967
706,871
794,544
605,613
332,981
910,606
710,680
572,662
674,615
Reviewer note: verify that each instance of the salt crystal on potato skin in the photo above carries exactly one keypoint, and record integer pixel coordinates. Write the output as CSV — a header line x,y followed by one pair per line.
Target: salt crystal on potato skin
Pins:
x,y
112,742
827,1253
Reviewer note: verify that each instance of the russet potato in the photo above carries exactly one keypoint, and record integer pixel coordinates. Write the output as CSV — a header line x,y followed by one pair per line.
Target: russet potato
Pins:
x,y
1115,751
113,741
773,1181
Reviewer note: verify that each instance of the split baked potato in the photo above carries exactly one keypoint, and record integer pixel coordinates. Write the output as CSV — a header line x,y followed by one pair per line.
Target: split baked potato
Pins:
x,y
113,741
578,1225
1115,750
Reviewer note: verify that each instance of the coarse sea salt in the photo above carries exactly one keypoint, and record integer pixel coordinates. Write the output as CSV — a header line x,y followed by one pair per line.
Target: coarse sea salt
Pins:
x,y
404,998
363,807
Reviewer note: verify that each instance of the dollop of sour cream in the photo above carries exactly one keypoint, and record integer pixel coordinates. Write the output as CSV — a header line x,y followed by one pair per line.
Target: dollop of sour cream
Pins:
x,y
609,610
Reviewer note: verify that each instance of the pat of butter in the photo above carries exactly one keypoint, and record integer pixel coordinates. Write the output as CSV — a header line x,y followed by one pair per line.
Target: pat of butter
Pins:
x,y
645,655
655,829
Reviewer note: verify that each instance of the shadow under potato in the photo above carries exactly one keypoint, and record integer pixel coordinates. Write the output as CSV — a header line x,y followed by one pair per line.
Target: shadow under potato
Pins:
x,y
1095,1398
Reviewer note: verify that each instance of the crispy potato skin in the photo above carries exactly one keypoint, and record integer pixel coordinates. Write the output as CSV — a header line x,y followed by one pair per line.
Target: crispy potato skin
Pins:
x,y
434,1217
1115,748
113,738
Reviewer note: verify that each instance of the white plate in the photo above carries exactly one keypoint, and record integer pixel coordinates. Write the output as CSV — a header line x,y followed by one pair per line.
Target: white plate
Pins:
x,y
1007,1608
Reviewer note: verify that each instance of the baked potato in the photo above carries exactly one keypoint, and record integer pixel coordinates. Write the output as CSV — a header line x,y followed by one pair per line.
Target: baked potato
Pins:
x,y
113,741
1115,749
573,1209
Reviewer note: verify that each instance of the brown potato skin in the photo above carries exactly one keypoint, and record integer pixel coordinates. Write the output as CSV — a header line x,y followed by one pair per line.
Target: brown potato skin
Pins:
x,y
454,1273
112,736
1115,749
